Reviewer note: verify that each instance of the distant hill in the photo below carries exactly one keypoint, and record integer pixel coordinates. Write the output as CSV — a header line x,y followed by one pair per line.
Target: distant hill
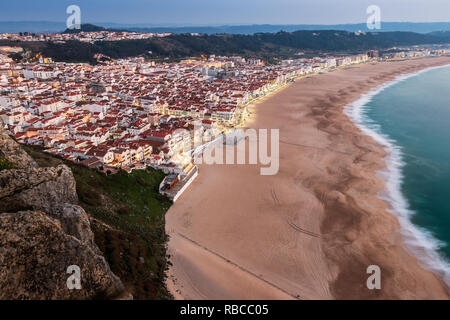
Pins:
x,y
441,34
263,45
46,26
252,29
85,28
31,26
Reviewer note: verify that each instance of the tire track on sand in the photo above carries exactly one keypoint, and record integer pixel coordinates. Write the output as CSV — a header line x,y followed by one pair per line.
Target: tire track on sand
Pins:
x,y
290,223
297,297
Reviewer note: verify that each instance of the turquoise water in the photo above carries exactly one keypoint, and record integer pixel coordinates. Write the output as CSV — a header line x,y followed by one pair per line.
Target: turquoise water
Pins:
x,y
414,115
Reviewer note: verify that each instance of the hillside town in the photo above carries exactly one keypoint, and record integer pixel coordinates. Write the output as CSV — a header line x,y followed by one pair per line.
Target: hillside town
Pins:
x,y
84,36
132,113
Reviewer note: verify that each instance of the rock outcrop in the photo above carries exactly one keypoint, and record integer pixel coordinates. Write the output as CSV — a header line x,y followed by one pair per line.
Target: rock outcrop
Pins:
x,y
36,188
35,254
11,151
43,232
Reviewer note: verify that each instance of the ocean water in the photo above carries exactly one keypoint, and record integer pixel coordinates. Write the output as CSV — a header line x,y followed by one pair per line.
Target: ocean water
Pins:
x,y
410,117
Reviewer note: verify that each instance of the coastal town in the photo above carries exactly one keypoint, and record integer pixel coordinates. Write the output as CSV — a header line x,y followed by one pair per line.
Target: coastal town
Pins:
x,y
132,113
224,159
84,36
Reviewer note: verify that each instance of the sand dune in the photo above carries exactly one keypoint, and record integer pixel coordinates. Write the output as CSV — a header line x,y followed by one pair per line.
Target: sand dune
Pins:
x,y
310,231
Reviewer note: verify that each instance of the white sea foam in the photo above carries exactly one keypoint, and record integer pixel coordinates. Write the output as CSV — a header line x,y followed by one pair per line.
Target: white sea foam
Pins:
x,y
419,241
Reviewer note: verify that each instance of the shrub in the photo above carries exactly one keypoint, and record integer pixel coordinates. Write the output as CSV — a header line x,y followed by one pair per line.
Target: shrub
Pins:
x,y
5,164
123,211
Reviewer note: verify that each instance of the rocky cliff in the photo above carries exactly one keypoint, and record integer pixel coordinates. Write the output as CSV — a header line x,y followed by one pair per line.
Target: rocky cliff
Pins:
x,y
43,231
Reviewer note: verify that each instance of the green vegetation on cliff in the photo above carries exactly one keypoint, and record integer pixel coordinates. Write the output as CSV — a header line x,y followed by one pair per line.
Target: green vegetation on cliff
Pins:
x,y
128,222
5,164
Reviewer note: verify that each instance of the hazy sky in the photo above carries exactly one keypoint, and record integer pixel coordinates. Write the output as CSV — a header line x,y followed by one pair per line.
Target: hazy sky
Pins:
x,y
203,12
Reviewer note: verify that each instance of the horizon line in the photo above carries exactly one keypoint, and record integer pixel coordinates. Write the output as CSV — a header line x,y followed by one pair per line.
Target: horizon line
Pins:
x,y
172,25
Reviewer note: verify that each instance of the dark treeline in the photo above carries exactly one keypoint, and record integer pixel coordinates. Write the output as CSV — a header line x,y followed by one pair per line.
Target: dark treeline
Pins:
x,y
258,45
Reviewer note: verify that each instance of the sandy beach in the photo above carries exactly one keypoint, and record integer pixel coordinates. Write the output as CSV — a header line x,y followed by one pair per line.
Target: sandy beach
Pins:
x,y
311,231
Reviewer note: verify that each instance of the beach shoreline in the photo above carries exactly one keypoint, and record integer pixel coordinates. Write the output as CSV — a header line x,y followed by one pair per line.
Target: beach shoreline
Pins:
x,y
419,241
238,235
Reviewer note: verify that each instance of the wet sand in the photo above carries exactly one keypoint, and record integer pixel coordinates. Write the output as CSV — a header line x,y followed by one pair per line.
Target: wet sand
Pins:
x,y
311,231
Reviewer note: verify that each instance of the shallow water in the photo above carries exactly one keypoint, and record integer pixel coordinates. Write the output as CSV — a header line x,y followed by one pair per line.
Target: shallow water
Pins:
x,y
410,117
